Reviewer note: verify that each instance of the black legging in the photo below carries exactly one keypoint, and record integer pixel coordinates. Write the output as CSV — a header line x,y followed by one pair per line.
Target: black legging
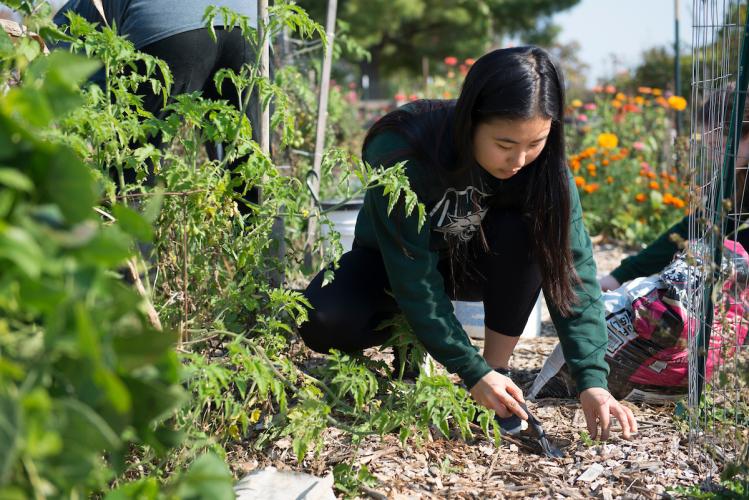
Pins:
x,y
194,58
347,311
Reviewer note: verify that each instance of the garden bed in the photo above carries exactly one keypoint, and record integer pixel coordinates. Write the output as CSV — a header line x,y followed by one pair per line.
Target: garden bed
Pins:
x,y
656,460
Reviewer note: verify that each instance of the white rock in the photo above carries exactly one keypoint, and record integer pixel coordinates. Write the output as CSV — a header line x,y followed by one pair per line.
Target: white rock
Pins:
x,y
591,473
272,484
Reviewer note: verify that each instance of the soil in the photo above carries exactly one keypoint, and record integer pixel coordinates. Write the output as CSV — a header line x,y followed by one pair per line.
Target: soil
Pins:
x,y
656,460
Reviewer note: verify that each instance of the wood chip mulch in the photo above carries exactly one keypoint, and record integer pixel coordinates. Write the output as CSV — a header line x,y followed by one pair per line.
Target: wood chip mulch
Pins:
x,y
656,460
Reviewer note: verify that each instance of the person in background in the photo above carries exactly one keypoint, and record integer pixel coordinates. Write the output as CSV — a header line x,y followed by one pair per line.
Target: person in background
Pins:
x,y
504,221
659,253
174,31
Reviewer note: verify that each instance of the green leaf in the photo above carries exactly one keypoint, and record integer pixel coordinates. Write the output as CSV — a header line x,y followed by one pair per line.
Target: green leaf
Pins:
x,y
86,426
143,348
133,223
6,44
14,179
17,246
110,247
9,434
144,489
208,478
69,184
63,68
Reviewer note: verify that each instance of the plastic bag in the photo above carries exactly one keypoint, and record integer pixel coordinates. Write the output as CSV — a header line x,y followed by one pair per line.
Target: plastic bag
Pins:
x,y
647,321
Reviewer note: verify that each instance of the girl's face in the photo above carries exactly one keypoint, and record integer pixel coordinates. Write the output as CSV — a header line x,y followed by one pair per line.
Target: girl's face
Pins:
x,y
502,147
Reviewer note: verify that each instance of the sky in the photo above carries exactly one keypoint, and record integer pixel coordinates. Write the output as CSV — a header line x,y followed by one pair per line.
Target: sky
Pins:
x,y
622,28
614,33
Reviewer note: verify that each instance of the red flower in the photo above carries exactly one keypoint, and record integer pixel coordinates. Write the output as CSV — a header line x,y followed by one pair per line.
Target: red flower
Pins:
x,y
470,61
451,60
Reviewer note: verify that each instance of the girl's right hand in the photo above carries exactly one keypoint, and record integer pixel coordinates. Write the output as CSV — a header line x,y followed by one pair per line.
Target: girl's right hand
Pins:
x,y
500,394
608,283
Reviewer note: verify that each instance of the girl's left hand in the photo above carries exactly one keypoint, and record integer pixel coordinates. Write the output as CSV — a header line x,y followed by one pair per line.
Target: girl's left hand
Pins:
x,y
598,406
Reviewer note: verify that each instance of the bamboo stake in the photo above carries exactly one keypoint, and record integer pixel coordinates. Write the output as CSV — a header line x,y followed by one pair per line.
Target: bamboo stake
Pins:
x,y
262,14
322,117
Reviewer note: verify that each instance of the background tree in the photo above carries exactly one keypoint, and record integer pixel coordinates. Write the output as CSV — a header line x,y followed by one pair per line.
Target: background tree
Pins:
x,y
399,34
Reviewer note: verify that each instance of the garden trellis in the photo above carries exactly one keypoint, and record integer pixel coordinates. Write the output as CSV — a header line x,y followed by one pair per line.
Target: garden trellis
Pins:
x,y
719,356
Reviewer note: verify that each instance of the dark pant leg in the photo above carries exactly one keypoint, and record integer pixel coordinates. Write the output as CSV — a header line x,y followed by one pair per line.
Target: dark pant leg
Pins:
x,y
194,59
506,277
191,57
234,51
347,311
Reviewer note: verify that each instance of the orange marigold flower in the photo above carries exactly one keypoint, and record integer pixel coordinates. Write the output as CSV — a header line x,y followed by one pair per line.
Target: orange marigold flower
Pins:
x,y
624,152
616,103
609,180
662,101
678,202
644,90
677,102
591,188
657,92
639,100
579,181
608,140
621,96
653,185
651,175
575,164
668,198
672,178
605,162
640,198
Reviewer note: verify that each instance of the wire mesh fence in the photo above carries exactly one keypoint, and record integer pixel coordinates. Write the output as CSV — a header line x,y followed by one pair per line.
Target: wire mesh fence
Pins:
x,y
718,290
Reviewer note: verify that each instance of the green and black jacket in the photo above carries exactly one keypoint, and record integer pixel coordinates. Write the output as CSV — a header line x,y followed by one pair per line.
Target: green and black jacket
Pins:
x,y
661,252
454,214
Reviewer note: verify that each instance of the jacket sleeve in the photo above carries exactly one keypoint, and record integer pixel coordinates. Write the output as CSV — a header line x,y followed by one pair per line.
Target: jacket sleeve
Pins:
x,y
653,258
417,284
583,333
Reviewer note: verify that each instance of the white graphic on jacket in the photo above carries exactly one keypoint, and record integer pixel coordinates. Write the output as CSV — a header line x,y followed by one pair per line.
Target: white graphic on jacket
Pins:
x,y
459,213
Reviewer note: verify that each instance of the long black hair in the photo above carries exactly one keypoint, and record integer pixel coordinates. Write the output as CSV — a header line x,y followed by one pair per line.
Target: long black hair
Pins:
x,y
517,84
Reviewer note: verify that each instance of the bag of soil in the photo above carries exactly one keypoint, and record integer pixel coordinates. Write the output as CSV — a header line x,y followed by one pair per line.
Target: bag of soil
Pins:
x,y
648,322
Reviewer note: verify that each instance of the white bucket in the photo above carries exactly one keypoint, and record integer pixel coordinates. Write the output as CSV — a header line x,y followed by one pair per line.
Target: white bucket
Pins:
x,y
471,316
343,220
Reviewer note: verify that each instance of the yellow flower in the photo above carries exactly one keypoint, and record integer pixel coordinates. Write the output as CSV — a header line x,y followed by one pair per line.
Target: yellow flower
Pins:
x,y
616,103
677,102
576,103
621,96
639,100
608,140
657,92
